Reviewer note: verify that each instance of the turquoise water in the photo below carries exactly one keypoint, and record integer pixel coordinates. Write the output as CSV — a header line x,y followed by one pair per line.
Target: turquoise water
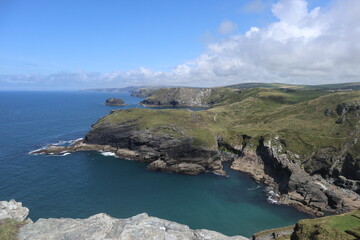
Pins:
x,y
85,183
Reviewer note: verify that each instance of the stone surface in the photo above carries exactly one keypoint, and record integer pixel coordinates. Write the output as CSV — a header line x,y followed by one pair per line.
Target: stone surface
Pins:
x,y
104,227
13,210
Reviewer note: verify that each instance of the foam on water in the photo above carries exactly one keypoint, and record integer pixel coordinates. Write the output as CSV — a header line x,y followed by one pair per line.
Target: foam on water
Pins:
x,y
107,154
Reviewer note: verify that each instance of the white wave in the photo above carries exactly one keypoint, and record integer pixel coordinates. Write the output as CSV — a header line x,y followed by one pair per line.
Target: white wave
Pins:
x,y
108,154
272,200
272,196
251,189
65,142
59,143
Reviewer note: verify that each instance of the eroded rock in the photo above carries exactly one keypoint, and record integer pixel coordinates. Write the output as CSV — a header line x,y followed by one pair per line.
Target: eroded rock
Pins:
x,y
13,210
104,227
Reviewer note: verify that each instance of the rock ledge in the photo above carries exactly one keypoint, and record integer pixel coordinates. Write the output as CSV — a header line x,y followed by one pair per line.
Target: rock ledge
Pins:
x,y
13,210
103,227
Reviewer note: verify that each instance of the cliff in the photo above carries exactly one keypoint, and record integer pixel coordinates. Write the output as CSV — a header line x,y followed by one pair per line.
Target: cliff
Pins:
x,y
100,227
192,97
303,143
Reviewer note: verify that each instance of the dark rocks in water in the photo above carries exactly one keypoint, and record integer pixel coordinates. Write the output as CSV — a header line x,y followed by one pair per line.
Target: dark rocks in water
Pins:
x,y
115,102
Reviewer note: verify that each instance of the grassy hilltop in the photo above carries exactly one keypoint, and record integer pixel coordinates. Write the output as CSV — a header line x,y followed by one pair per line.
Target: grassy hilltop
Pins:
x,y
296,116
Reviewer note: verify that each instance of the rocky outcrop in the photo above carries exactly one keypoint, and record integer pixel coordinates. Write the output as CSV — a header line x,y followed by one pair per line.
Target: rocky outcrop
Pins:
x,y
162,151
153,145
143,92
180,97
114,102
292,184
102,226
13,210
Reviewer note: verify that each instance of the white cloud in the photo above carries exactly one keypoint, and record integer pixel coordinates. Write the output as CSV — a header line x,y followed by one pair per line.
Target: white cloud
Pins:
x,y
309,46
227,27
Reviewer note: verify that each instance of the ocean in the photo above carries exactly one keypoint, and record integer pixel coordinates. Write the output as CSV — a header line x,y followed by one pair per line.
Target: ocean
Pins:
x,y
81,184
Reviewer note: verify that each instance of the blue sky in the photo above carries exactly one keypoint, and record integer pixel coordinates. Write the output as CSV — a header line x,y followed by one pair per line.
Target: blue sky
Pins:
x,y
116,43
50,36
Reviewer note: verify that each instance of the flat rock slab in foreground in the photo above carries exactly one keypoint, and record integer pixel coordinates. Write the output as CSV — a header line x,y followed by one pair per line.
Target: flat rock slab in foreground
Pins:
x,y
104,227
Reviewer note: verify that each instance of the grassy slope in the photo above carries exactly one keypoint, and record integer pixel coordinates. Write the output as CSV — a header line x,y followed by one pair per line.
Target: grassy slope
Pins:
x,y
297,117
344,226
351,85
9,228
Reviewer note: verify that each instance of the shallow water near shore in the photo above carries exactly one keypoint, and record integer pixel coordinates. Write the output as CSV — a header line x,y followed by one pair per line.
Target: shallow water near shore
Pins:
x,y
85,183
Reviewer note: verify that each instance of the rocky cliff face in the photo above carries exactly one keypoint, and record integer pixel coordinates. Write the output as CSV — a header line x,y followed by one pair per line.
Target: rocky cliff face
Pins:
x,y
104,227
189,97
293,185
163,151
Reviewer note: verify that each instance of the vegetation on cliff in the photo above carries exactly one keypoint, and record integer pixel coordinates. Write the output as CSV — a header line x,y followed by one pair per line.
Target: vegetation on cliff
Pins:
x,y
343,226
296,117
9,228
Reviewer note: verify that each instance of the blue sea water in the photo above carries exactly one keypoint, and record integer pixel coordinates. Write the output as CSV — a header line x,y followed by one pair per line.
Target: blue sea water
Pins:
x,y
85,183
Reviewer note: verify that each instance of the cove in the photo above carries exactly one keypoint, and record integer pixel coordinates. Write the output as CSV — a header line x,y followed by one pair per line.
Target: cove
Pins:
x,y
85,183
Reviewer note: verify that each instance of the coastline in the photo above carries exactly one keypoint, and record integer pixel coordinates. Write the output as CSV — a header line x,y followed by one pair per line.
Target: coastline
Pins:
x,y
249,162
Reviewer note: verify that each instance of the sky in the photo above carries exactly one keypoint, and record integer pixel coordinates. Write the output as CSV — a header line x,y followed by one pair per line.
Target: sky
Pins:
x,y
69,45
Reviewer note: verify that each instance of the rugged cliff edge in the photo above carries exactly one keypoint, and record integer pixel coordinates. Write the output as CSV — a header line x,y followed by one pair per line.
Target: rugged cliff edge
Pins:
x,y
304,144
189,97
102,227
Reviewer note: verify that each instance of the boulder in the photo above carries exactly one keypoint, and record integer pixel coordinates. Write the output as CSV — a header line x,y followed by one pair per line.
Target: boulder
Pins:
x,y
13,210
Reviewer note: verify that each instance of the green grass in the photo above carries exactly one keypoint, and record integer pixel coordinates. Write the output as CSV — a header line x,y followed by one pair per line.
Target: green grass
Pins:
x,y
9,228
297,117
344,226
351,85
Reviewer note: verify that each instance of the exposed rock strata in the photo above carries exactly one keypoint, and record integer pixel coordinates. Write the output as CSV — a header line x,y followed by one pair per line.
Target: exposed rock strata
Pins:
x,y
293,185
189,97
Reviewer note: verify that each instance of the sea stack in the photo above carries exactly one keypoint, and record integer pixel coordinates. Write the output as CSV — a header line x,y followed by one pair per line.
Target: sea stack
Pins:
x,y
115,102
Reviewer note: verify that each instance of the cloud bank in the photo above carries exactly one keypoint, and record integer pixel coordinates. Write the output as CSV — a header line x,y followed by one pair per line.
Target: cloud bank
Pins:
x,y
309,46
